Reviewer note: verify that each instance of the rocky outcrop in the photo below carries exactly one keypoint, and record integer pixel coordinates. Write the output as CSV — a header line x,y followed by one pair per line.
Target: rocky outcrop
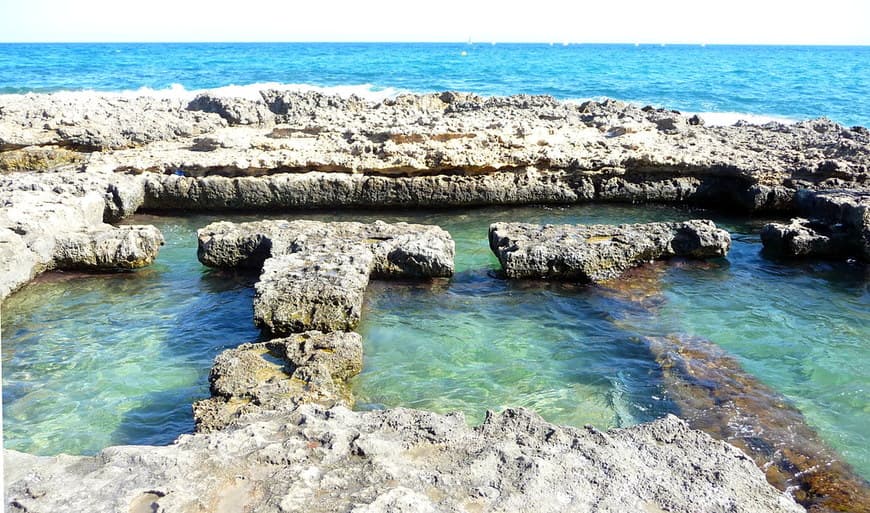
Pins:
x,y
55,221
108,248
306,150
314,275
805,238
591,253
278,375
318,460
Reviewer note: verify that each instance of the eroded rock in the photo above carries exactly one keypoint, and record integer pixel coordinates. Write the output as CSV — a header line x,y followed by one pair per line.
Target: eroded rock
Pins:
x,y
314,274
280,374
108,248
591,253
318,460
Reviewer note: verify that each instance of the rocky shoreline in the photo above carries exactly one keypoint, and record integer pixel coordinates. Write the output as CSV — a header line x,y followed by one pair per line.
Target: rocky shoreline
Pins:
x,y
280,431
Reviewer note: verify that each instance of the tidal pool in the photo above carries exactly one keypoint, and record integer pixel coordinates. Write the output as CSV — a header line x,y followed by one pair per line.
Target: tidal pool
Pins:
x,y
91,361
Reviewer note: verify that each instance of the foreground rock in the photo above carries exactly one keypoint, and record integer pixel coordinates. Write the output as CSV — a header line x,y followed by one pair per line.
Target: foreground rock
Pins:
x,y
840,226
314,274
278,375
591,253
316,460
55,221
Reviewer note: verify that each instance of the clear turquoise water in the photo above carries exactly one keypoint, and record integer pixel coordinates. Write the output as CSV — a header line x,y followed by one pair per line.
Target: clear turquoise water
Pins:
x,y
90,361
797,82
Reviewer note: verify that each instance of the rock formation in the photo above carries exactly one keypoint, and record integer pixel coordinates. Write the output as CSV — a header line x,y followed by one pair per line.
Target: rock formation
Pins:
x,y
317,460
590,253
840,226
314,275
55,221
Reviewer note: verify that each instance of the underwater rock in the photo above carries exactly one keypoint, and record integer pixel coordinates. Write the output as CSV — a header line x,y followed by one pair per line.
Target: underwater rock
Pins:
x,y
713,393
280,374
591,253
314,274
325,460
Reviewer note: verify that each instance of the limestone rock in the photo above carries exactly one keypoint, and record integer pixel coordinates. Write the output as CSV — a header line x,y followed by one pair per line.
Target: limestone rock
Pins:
x,y
108,248
236,111
843,211
318,460
280,374
318,289
599,252
55,220
314,274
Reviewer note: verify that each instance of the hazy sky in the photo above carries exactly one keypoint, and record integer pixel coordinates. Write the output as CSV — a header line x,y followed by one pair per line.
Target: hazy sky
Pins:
x,y
624,21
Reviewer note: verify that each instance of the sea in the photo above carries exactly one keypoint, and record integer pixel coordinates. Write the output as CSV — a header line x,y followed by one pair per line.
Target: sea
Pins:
x,y
728,83
90,361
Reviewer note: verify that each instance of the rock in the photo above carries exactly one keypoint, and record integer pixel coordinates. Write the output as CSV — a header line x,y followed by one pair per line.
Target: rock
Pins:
x,y
88,122
18,264
318,189
236,111
55,221
280,374
320,288
438,150
314,274
106,248
591,253
805,238
318,460
845,212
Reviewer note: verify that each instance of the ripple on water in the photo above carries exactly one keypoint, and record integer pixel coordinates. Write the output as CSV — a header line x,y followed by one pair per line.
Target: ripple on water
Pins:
x,y
99,360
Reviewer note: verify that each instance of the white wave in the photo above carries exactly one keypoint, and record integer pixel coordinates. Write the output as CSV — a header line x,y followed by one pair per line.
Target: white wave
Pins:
x,y
250,91
729,118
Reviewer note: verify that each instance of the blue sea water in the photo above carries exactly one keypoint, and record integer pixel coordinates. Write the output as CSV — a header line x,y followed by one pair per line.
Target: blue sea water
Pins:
x,y
780,82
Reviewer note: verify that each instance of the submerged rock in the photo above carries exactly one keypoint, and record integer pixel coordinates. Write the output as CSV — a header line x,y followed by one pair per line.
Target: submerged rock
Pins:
x,y
590,253
280,374
314,274
317,460
712,392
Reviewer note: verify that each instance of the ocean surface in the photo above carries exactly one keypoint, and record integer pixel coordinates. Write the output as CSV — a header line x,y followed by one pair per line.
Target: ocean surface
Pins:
x,y
90,361
756,83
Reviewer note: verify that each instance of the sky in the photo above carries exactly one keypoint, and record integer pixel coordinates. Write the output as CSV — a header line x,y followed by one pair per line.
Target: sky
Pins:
x,y
573,21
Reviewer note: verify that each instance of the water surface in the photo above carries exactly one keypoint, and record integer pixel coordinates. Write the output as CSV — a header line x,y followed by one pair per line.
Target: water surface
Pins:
x,y
91,361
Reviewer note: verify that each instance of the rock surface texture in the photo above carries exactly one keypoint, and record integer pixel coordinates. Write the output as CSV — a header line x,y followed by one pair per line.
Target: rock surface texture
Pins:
x,y
55,221
314,275
314,459
592,253
278,375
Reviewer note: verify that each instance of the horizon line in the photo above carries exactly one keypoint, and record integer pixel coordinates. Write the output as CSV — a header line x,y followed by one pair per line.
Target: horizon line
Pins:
x,y
468,43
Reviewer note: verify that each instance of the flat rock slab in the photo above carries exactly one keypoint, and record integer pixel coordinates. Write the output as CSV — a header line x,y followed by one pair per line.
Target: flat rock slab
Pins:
x,y
314,274
317,460
106,247
591,253
320,289
280,374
